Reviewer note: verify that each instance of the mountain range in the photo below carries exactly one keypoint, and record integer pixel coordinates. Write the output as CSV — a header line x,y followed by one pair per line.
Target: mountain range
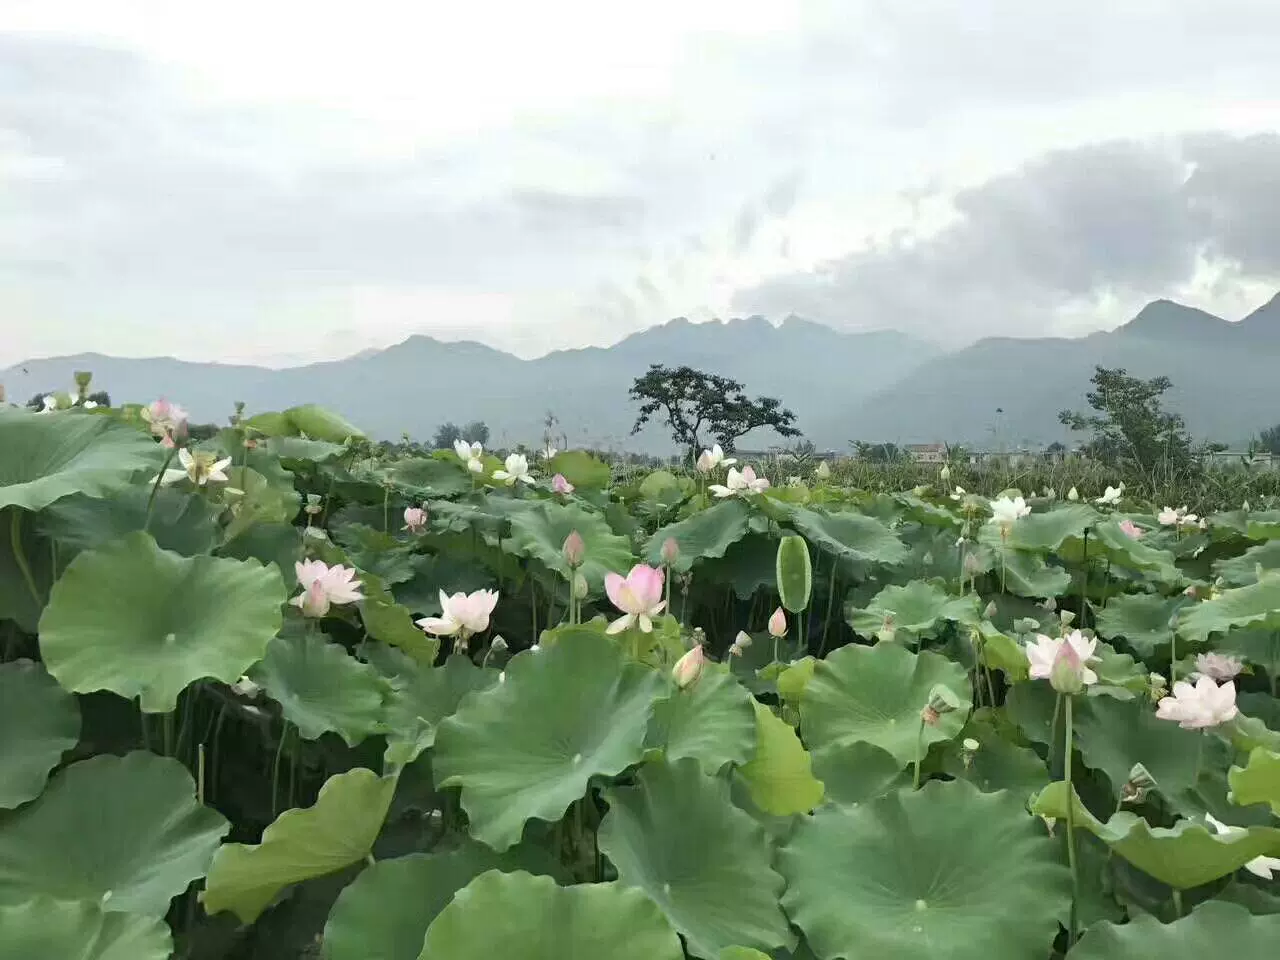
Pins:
x,y
879,386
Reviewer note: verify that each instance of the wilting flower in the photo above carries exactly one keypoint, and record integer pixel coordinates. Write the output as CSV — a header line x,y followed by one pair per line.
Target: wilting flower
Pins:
x,y
689,668
1264,867
708,460
738,483
470,454
559,484
1006,512
574,549
323,585
638,595
1130,529
200,468
1219,666
740,643
1111,496
1204,705
415,519
516,468
168,421
462,614
1073,494
778,623
1047,656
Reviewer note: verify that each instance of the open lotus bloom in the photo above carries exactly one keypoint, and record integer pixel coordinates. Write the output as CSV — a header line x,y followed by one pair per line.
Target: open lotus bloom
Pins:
x,y
470,454
48,403
462,614
1047,654
638,596
1264,867
713,458
1203,705
515,468
1111,495
200,468
1219,666
740,483
1006,511
323,586
1130,529
168,420
415,519
559,484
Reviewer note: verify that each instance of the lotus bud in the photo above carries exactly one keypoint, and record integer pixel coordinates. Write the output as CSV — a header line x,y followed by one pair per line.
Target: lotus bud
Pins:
x,y
740,643
1067,673
944,474
689,668
574,550
1067,617
1245,506
580,588
1139,784
1050,493
989,611
778,624
823,472
670,551
498,643
1073,494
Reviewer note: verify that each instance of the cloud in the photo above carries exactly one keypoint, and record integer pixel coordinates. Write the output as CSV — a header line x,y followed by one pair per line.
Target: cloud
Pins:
x,y
1105,222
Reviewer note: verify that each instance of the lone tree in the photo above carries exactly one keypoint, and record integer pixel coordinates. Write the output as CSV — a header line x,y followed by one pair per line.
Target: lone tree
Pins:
x,y
1130,427
1269,439
694,404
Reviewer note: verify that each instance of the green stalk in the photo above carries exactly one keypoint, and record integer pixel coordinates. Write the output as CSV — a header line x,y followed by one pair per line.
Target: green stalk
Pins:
x,y
919,755
155,487
15,533
831,602
275,770
1177,904
1071,831
1053,737
1173,659
1084,576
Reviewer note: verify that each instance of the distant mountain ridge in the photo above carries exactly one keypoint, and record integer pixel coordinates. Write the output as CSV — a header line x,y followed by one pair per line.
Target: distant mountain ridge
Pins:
x,y
884,385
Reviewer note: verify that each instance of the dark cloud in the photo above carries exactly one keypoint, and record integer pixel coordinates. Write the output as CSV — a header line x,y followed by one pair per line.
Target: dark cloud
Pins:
x,y
1120,219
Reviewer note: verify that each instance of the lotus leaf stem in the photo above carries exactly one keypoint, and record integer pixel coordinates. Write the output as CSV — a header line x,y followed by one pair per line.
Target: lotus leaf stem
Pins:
x,y
19,557
919,754
155,487
1071,829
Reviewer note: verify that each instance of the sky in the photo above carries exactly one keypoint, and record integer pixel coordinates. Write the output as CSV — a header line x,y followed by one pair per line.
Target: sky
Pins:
x,y
284,181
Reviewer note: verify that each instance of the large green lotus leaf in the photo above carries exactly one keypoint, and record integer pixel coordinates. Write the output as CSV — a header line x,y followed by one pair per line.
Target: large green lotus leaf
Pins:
x,y
46,929
1256,605
779,775
998,763
1258,781
376,552
849,536
271,544
540,533
1212,929
1185,855
527,747
385,912
386,620
321,688
16,600
942,873
581,469
50,457
336,832
742,953
708,533
711,721
423,696
39,722
297,450
1242,570
1142,619
920,610
264,501
705,863
423,478
124,832
875,695
179,522
1112,543
309,420
1257,646
747,566
1026,574
853,773
533,918
143,622
442,571
1042,533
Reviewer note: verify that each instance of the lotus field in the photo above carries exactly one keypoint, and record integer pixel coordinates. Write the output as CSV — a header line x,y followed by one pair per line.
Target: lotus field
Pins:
x,y
270,695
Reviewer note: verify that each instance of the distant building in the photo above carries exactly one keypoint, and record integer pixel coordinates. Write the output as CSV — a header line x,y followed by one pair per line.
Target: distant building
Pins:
x,y
927,452
1235,458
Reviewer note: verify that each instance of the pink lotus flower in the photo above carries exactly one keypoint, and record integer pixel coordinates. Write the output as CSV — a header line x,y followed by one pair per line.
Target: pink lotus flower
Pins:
x,y
1043,655
168,421
778,623
1220,666
560,485
1204,705
689,668
638,596
462,614
415,519
574,549
740,483
323,586
1131,529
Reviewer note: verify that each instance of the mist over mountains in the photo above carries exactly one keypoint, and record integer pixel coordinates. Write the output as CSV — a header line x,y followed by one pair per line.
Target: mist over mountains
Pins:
x,y
879,386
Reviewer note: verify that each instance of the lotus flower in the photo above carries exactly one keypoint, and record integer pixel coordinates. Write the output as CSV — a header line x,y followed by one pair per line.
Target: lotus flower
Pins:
x,y
778,623
559,484
91,404
1204,705
415,519
1168,517
1006,512
689,668
1073,494
462,614
48,403
638,596
574,549
1264,867
670,551
200,468
323,586
470,454
1045,654
1219,666
168,421
1131,529
740,483
710,459
516,468
823,472
1111,496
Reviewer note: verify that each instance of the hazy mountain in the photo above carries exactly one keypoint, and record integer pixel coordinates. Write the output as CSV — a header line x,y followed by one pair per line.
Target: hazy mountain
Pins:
x,y
1223,373
416,385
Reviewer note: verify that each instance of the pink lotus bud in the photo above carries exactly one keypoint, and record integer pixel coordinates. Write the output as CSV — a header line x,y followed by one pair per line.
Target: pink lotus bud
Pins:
x,y
670,551
575,549
415,519
560,485
778,624
1067,673
1131,529
689,668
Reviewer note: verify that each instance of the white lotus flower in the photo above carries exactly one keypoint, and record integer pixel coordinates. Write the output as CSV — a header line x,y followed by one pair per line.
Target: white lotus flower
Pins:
x,y
958,493
1219,666
740,483
91,404
462,614
1006,512
1204,705
1073,494
200,468
49,403
1264,867
1047,652
516,468
470,454
1111,496
713,458
323,585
